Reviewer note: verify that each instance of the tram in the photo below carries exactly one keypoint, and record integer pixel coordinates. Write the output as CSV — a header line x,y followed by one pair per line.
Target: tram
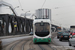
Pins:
x,y
42,30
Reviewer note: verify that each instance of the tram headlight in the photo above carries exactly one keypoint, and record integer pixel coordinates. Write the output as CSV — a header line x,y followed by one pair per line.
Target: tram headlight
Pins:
x,y
34,36
49,37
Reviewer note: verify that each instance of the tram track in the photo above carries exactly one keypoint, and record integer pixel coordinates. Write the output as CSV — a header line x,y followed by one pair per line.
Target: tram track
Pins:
x,y
17,44
22,45
27,44
31,45
12,47
22,48
41,47
52,47
47,47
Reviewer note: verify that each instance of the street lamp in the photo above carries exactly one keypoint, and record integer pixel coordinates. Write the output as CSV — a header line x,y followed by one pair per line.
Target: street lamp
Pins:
x,y
16,7
25,13
25,18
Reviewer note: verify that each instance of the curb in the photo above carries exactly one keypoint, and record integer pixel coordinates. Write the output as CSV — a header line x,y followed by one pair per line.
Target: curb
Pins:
x,y
13,36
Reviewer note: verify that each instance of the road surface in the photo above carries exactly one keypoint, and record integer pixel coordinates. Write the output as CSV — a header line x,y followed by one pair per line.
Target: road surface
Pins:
x,y
9,40
62,43
26,43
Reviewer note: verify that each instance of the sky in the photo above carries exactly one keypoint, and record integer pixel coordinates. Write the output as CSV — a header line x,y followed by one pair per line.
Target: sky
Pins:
x,y
62,11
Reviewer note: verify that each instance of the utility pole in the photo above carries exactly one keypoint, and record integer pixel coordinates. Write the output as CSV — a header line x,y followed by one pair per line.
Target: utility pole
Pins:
x,y
25,18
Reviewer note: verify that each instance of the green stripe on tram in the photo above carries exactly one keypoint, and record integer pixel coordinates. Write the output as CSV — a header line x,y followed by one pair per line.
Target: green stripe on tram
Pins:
x,y
42,40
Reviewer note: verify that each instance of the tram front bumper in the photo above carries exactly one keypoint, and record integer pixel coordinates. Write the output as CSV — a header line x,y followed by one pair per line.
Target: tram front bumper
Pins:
x,y
42,40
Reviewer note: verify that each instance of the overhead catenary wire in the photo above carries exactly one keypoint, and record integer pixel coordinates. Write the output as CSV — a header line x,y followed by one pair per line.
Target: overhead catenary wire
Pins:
x,y
43,4
20,4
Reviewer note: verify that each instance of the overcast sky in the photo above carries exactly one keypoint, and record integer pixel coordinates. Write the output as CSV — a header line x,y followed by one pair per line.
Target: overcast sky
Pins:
x,y
63,11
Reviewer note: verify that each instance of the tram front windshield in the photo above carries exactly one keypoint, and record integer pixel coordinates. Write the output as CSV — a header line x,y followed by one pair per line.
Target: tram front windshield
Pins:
x,y
42,29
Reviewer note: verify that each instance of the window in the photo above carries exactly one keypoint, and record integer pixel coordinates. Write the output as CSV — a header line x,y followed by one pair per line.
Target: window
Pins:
x,y
42,29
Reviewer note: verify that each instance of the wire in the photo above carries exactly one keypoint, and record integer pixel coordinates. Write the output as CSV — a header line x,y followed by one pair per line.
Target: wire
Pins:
x,y
43,3
20,3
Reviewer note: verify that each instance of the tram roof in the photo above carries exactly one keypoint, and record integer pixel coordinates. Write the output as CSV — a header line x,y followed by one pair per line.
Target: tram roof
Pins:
x,y
39,20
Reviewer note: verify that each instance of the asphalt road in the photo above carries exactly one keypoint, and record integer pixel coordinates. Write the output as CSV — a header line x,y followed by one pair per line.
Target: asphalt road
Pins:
x,y
26,43
61,43
10,40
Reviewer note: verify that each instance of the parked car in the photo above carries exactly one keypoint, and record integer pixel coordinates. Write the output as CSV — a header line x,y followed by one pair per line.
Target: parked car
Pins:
x,y
66,31
31,33
73,33
58,34
64,36
72,41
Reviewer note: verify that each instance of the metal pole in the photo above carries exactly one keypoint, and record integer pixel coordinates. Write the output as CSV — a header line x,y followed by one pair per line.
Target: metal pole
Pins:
x,y
25,20
16,7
